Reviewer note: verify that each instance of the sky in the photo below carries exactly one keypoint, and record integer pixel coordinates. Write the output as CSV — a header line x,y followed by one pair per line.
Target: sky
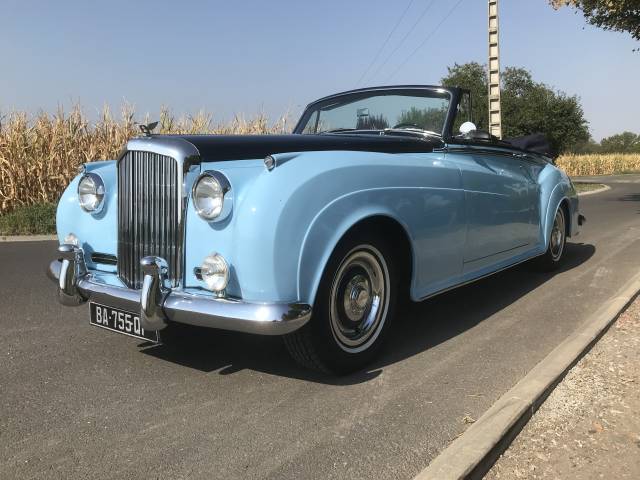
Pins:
x,y
250,56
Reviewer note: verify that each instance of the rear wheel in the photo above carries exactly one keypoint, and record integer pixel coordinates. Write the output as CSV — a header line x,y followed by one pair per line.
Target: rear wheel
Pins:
x,y
353,309
553,256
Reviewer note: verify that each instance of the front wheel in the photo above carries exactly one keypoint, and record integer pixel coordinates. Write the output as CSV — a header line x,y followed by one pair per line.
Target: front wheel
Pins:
x,y
553,256
353,309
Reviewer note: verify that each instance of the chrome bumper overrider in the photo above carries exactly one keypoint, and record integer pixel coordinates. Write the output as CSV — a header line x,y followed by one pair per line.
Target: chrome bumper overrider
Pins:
x,y
159,304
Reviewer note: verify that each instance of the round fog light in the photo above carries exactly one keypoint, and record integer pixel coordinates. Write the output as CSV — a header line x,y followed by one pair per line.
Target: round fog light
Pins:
x,y
215,272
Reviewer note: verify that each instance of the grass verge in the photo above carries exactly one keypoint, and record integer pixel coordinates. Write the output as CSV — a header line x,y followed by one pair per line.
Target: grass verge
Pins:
x,y
587,187
37,219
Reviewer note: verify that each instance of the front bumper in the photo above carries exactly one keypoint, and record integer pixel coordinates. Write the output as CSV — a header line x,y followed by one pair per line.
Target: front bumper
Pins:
x,y
159,305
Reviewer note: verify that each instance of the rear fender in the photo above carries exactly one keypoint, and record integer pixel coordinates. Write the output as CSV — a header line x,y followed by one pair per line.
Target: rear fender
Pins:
x,y
556,188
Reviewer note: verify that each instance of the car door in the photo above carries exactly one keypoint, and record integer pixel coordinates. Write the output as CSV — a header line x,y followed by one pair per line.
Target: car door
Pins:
x,y
498,192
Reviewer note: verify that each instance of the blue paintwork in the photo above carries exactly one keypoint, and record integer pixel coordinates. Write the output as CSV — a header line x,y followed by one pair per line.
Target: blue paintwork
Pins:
x,y
467,214
96,232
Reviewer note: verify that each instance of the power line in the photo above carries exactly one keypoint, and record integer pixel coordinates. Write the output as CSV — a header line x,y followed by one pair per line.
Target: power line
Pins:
x,y
424,12
375,59
424,41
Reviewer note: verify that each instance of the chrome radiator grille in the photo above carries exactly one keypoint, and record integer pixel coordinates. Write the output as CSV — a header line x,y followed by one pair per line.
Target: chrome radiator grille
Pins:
x,y
149,214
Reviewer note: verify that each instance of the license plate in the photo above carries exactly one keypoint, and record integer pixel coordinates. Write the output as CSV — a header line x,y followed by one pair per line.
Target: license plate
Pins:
x,y
120,321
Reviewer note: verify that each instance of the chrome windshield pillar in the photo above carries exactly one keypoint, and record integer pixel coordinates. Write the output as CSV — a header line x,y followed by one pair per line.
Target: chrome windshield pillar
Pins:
x,y
153,293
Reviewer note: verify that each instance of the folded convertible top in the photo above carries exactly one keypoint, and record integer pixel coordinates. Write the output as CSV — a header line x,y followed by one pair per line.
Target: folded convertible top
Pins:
x,y
536,142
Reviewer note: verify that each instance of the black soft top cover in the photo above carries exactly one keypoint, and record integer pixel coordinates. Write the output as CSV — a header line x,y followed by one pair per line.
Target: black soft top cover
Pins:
x,y
536,142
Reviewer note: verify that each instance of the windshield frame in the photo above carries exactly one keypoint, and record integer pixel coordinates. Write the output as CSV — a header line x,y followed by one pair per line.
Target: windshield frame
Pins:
x,y
408,90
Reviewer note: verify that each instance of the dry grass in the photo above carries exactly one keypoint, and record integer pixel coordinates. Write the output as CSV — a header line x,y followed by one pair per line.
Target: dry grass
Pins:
x,y
599,163
40,155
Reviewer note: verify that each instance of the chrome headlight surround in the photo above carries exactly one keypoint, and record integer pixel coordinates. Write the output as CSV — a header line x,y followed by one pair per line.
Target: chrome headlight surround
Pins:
x,y
210,195
91,193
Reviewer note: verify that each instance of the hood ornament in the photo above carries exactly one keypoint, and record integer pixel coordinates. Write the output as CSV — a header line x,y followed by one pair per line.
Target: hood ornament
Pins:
x,y
147,129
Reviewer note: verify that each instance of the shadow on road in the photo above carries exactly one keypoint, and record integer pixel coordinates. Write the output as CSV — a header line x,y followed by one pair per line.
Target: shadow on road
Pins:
x,y
631,197
419,326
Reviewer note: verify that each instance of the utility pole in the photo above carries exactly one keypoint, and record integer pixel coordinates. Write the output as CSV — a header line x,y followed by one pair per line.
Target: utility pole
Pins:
x,y
495,115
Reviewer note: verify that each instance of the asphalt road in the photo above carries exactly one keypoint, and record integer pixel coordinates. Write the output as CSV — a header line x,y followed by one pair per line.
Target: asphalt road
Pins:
x,y
80,402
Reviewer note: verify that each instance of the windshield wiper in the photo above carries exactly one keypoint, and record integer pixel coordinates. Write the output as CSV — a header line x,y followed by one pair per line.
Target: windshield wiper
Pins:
x,y
387,131
339,130
411,130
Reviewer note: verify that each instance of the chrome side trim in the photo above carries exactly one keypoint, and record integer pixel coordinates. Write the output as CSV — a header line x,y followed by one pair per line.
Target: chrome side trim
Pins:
x,y
204,311
481,277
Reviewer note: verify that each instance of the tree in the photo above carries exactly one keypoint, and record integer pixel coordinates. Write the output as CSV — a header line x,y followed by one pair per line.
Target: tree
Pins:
x,y
473,77
616,15
527,106
427,118
625,142
588,147
372,122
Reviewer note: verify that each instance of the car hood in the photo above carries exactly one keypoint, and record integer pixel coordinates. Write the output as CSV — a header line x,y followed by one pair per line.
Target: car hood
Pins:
x,y
244,147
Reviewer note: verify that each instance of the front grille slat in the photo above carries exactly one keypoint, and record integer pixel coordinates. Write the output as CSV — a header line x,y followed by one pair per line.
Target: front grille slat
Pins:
x,y
149,209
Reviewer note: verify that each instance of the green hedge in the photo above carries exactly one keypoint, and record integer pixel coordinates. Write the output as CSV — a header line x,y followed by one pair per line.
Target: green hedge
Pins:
x,y
39,219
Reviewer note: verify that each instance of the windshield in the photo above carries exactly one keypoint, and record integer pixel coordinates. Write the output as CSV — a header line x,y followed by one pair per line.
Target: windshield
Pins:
x,y
424,110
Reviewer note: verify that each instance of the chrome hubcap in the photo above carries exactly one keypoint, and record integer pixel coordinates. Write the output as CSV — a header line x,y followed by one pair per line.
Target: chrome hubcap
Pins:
x,y
359,299
558,235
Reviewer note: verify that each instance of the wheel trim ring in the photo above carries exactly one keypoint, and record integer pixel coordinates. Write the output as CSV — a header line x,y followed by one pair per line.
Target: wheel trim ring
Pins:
x,y
379,303
558,236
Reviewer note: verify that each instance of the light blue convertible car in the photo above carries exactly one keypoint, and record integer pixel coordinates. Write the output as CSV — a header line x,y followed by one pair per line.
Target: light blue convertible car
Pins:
x,y
379,194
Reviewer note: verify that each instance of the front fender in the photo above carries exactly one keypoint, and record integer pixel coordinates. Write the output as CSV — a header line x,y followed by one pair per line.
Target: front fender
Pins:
x,y
286,222
327,229
96,232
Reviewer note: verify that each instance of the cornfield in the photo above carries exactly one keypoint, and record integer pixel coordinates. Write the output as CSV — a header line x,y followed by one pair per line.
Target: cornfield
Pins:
x,y
599,163
40,155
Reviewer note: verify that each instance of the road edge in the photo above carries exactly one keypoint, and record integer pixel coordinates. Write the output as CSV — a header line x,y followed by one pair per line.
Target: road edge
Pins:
x,y
473,453
591,192
27,238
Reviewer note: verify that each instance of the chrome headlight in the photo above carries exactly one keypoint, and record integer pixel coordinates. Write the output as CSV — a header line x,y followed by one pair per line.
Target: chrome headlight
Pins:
x,y
209,194
91,193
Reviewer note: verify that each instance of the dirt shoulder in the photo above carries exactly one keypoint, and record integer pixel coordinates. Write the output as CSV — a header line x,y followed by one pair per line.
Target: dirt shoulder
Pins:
x,y
589,427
